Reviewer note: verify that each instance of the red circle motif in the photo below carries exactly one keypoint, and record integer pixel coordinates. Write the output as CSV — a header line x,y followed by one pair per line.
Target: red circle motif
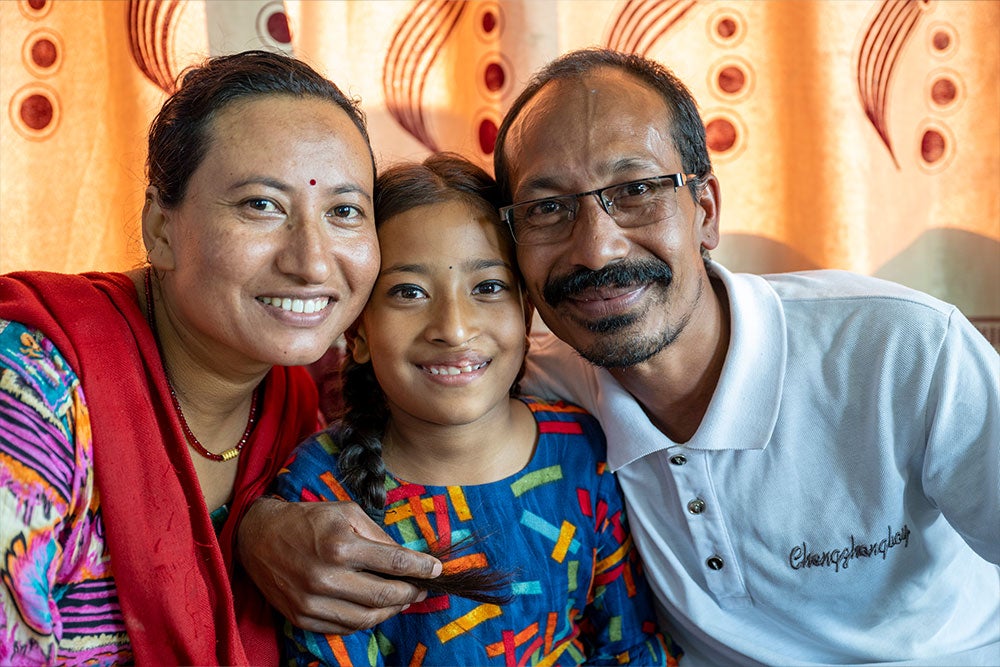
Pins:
x,y
720,135
277,28
731,79
44,53
725,28
932,146
943,91
941,40
489,22
494,77
36,111
487,135
36,4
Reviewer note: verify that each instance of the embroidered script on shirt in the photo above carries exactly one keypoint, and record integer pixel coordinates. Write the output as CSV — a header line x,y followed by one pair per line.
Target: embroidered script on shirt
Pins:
x,y
801,557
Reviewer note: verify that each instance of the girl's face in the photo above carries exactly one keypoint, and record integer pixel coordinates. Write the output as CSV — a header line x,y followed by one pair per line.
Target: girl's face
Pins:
x,y
445,325
272,252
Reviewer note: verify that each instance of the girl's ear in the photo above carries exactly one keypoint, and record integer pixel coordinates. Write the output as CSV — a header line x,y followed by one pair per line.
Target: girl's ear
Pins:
x,y
156,232
357,342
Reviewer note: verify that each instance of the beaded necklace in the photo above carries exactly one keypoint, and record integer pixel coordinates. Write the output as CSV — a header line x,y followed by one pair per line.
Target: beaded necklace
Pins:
x,y
230,453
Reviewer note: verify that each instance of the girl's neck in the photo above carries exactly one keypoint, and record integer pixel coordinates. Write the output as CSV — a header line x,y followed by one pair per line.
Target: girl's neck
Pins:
x,y
492,448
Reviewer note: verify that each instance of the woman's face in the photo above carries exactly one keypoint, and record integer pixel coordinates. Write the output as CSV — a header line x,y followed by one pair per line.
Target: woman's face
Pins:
x,y
272,252
445,325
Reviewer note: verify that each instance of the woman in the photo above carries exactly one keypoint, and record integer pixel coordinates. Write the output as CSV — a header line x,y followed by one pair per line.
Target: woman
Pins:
x,y
139,409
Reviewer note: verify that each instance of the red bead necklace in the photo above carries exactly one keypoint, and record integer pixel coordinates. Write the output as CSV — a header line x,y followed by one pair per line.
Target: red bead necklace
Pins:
x,y
230,453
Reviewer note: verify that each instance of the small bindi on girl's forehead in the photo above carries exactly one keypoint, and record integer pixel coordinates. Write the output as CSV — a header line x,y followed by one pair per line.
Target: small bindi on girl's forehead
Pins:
x,y
312,181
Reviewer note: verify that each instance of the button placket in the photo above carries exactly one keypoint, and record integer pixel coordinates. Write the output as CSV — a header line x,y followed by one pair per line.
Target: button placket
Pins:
x,y
706,525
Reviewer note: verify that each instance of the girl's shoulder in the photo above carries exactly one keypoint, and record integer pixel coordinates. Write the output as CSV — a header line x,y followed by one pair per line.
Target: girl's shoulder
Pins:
x,y
565,425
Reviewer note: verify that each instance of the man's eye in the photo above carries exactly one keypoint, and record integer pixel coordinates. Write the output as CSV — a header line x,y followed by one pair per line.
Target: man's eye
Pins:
x,y
546,208
637,189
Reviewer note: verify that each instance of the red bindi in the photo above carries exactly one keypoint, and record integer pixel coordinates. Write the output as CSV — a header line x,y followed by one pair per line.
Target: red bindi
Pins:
x,y
312,181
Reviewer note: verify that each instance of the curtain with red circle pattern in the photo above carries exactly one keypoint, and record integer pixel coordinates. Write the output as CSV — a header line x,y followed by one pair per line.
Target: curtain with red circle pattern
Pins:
x,y
856,134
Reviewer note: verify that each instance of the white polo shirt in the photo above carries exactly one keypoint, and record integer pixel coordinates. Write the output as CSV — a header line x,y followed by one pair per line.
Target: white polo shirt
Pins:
x,y
840,502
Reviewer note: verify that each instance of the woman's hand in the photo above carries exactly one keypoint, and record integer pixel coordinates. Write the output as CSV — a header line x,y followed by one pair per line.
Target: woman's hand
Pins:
x,y
318,564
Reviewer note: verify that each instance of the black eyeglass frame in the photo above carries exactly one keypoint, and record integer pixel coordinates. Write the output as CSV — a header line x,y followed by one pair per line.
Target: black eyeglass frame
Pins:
x,y
506,212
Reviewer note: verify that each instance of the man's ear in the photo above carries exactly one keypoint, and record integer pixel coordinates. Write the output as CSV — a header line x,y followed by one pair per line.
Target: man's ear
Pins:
x,y
708,200
357,342
156,232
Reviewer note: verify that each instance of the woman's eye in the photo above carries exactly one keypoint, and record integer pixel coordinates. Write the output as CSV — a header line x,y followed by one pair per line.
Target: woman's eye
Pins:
x,y
262,205
346,211
490,287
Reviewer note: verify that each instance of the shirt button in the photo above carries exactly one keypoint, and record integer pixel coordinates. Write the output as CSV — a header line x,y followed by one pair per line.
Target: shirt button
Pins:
x,y
715,563
678,459
696,506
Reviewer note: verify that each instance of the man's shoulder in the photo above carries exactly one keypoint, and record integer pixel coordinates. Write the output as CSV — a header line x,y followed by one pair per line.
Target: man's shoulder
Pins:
x,y
831,285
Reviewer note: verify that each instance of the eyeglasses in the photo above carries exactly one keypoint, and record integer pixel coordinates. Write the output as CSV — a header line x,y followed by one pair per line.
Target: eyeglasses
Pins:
x,y
549,220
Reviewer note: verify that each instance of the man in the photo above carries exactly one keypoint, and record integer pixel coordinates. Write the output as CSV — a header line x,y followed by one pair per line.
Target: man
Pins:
x,y
810,460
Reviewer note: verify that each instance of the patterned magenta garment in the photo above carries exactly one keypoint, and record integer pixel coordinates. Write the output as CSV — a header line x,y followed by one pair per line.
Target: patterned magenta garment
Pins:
x,y
60,603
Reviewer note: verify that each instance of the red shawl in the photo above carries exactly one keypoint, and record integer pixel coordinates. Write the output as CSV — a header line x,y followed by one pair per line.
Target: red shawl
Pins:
x,y
172,574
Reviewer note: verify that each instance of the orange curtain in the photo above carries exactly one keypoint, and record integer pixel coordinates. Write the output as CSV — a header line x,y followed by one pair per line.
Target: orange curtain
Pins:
x,y
862,135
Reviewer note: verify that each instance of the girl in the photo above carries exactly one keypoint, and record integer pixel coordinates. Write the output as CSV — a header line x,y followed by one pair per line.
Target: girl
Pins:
x,y
512,492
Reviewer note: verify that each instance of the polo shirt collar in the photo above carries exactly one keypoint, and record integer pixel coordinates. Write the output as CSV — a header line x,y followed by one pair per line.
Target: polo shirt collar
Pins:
x,y
744,409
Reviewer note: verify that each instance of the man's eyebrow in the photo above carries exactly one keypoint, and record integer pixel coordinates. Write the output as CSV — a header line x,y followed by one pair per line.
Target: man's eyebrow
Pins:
x,y
619,166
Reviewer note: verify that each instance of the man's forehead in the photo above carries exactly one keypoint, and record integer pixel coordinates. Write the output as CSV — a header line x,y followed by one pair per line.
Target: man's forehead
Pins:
x,y
606,118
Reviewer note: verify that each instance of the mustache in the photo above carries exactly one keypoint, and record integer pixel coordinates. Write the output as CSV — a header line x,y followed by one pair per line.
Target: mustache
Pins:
x,y
622,274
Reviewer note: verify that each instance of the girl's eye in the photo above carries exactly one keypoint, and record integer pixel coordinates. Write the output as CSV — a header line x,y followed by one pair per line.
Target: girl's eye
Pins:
x,y
407,292
490,287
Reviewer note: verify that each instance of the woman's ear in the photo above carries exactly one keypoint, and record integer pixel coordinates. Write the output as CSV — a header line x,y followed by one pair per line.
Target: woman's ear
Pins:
x,y
156,232
357,342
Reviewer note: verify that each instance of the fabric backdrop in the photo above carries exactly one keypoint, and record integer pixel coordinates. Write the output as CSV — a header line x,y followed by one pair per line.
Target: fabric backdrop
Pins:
x,y
861,135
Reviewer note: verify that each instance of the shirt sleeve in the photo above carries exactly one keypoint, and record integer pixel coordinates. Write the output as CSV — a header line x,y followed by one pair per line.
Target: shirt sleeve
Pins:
x,y
46,491
963,437
554,371
620,622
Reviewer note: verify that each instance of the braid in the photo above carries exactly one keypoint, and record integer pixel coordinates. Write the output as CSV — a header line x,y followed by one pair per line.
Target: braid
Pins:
x,y
362,470
363,423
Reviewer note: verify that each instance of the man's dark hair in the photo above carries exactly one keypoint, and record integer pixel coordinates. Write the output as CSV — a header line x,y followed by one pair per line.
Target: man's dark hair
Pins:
x,y
686,127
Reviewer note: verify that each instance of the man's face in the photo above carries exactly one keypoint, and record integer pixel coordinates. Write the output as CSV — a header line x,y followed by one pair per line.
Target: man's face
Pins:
x,y
617,295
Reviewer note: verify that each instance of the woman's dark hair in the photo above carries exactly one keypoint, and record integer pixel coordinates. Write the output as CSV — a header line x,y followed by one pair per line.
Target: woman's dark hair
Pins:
x,y
179,135
686,127
365,413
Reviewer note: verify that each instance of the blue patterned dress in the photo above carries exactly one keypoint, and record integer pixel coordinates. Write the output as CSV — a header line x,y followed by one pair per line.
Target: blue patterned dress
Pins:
x,y
558,525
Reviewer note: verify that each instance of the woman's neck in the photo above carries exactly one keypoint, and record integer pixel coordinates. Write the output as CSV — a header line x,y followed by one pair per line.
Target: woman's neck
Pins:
x,y
492,448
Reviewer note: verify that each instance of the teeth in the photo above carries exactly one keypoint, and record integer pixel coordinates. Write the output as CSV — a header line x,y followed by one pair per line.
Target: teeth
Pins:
x,y
454,370
296,305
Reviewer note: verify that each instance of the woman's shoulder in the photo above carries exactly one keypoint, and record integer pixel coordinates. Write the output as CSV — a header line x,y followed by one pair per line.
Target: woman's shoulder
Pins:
x,y
41,370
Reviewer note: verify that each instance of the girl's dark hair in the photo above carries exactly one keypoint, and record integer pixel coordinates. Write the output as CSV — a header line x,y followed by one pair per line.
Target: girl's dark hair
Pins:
x,y
179,136
686,127
365,413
